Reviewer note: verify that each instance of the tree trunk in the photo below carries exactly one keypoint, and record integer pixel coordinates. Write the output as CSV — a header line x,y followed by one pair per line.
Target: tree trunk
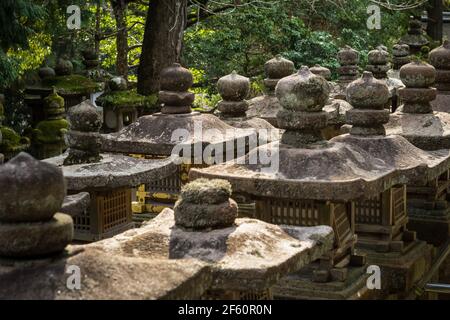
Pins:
x,y
163,41
435,19
119,8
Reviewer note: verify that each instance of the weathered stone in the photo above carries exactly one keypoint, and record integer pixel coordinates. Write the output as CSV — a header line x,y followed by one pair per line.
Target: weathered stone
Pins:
x,y
278,68
205,216
288,119
368,93
303,91
84,117
176,78
232,108
348,56
233,87
321,71
35,239
204,191
105,277
415,38
30,190
177,99
251,255
113,171
418,74
76,204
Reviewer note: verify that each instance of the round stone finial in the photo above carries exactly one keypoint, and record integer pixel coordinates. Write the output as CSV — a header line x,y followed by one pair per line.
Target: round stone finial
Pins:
x,y
367,92
84,117
303,91
418,77
278,68
22,195
233,89
205,204
369,97
440,59
418,74
378,63
29,223
400,54
83,137
348,56
174,95
117,84
321,71
176,78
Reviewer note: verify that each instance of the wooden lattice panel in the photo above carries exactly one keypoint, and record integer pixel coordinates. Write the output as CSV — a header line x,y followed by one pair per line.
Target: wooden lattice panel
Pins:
x,y
369,211
296,213
113,209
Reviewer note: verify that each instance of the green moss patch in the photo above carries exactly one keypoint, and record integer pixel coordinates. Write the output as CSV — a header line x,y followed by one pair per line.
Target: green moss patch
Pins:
x,y
72,84
11,141
51,131
127,98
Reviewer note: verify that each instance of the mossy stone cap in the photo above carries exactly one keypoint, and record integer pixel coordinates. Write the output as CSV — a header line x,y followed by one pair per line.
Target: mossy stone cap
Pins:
x,y
303,91
367,92
321,71
418,74
206,204
206,191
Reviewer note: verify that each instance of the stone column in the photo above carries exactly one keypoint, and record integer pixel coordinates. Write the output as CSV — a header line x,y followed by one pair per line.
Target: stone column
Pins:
x,y
440,59
378,63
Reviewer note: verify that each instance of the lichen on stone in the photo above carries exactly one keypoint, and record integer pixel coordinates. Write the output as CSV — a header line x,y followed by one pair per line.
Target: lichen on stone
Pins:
x,y
206,191
51,131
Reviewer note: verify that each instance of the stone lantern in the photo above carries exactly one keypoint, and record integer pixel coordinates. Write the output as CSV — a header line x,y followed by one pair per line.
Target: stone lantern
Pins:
x,y
108,178
48,136
216,257
308,182
428,130
440,59
267,106
201,139
233,89
400,57
415,37
381,222
120,105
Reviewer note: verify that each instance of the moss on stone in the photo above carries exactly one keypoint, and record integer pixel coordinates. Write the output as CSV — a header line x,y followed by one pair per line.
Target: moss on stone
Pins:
x,y
53,100
11,141
206,191
51,131
126,98
72,84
